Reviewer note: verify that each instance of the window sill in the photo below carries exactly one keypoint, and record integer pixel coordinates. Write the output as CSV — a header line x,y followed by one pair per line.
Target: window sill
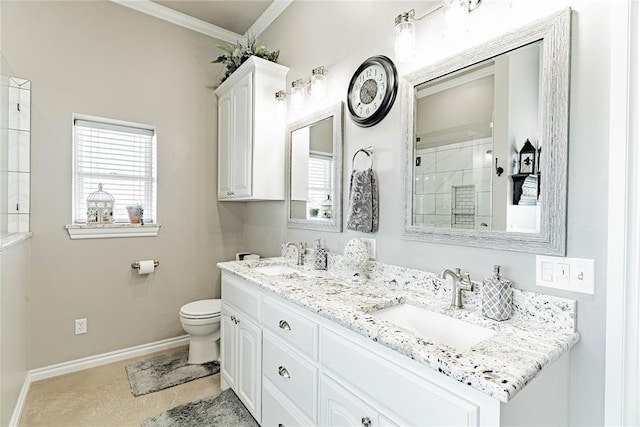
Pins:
x,y
9,240
108,231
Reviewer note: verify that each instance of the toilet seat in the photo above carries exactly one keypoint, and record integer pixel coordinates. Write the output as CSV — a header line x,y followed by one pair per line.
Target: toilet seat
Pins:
x,y
203,309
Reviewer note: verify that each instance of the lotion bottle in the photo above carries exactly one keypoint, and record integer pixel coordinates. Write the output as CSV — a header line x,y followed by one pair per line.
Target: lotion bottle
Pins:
x,y
320,257
497,298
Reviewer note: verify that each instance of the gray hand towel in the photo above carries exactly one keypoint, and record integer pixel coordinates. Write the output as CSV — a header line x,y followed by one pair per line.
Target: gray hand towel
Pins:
x,y
363,202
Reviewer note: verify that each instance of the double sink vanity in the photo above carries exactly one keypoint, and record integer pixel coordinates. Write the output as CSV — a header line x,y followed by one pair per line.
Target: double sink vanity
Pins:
x,y
302,347
307,347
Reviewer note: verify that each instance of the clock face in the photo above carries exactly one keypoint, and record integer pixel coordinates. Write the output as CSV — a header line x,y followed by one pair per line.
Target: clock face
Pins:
x,y
369,90
372,91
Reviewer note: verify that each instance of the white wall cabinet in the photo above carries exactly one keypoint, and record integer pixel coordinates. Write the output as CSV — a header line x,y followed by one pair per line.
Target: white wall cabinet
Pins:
x,y
251,139
311,371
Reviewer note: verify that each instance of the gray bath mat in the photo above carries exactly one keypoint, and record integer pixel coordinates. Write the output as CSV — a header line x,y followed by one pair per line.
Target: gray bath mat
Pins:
x,y
167,370
223,410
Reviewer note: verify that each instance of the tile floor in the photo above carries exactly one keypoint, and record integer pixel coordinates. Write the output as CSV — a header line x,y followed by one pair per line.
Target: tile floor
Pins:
x,y
102,397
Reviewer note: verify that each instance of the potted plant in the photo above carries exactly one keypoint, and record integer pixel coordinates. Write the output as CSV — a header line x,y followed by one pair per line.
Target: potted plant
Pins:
x,y
236,54
135,214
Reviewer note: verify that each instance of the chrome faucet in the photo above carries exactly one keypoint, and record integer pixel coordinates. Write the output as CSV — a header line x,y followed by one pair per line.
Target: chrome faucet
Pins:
x,y
460,283
301,248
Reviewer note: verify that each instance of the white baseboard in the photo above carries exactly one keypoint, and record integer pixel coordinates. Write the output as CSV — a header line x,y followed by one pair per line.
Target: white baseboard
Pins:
x,y
89,362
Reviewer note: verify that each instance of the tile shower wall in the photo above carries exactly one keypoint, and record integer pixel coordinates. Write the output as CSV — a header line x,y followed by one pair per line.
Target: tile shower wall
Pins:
x,y
15,137
448,166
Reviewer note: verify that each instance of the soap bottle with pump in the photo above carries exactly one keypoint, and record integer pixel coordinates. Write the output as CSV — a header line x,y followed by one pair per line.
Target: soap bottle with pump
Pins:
x,y
320,256
497,298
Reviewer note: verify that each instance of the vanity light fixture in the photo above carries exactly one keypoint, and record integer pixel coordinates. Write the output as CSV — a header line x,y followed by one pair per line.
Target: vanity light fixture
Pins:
x,y
281,104
316,87
318,83
297,94
405,38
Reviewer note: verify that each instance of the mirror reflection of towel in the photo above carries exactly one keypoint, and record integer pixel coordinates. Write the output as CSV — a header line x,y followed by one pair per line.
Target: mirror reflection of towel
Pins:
x,y
363,202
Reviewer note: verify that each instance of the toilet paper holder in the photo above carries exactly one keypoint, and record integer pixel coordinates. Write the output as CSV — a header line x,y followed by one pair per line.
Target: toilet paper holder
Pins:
x,y
136,264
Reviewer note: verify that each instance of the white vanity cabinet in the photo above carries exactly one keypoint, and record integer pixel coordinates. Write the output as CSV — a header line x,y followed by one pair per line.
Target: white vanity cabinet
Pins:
x,y
290,367
251,140
340,407
241,344
297,368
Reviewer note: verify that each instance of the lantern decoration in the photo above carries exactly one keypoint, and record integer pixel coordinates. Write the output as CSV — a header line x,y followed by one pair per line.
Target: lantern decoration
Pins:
x,y
527,158
100,207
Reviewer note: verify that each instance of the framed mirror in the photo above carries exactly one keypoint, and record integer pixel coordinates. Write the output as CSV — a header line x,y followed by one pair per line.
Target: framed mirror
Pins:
x,y
485,138
314,171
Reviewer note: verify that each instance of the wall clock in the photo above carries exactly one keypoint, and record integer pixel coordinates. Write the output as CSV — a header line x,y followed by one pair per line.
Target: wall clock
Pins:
x,y
372,91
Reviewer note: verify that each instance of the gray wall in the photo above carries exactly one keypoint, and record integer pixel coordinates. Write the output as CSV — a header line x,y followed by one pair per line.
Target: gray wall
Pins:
x,y
14,311
362,29
102,59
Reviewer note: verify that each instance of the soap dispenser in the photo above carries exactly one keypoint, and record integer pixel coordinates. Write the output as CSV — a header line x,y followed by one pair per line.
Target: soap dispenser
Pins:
x,y
320,257
497,299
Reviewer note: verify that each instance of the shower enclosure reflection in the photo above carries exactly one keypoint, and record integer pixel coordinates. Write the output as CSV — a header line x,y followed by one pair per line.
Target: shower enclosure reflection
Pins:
x,y
15,141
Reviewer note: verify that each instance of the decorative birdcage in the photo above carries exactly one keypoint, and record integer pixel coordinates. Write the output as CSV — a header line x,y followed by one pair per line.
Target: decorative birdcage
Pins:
x,y
100,207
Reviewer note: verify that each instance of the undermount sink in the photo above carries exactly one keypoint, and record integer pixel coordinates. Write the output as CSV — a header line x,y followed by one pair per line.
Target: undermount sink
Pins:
x,y
275,269
434,326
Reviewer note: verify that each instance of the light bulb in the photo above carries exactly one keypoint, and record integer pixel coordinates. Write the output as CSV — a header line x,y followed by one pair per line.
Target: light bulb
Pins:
x,y
456,14
297,94
281,104
318,83
405,41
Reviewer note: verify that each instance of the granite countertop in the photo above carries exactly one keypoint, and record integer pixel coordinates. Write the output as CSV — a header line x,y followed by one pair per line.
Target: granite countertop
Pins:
x,y
540,330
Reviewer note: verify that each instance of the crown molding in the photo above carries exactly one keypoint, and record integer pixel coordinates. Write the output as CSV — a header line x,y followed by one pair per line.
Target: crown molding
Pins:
x,y
268,16
178,18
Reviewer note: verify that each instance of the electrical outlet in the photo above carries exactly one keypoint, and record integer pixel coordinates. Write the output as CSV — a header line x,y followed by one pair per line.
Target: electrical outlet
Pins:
x,y
81,326
371,245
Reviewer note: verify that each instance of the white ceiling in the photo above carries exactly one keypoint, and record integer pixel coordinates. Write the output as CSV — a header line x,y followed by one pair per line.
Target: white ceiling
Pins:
x,y
226,20
236,16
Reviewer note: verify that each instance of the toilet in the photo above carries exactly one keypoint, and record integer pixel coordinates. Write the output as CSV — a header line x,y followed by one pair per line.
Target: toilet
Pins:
x,y
201,320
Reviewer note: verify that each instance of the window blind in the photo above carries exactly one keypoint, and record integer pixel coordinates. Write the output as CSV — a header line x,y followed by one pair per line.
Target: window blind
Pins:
x,y
319,177
122,158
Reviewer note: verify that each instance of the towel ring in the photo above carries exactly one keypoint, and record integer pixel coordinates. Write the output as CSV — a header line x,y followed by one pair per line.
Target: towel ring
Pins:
x,y
366,150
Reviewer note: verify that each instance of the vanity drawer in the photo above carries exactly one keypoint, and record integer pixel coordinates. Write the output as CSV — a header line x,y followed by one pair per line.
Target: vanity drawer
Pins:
x,y
292,328
420,401
237,292
277,412
291,374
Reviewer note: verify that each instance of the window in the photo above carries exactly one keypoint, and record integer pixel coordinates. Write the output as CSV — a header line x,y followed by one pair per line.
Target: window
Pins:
x,y
119,155
319,177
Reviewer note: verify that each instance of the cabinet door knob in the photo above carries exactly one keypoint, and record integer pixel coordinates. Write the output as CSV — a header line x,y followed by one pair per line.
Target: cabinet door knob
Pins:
x,y
283,372
284,325
280,425
233,318
366,422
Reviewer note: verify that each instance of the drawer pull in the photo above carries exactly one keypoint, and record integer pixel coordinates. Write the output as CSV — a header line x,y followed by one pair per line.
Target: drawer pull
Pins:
x,y
283,372
366,422
284,325
280,425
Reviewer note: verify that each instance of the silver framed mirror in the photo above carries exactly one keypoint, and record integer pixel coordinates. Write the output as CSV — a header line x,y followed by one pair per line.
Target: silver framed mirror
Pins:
x,y
485,137
314,171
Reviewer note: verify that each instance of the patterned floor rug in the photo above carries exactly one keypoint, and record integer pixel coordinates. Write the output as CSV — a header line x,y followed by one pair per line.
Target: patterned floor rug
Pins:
x,y
167,370
223,410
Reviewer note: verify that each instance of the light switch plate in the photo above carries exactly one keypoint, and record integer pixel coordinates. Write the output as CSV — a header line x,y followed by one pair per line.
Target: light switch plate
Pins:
x,y
569,274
